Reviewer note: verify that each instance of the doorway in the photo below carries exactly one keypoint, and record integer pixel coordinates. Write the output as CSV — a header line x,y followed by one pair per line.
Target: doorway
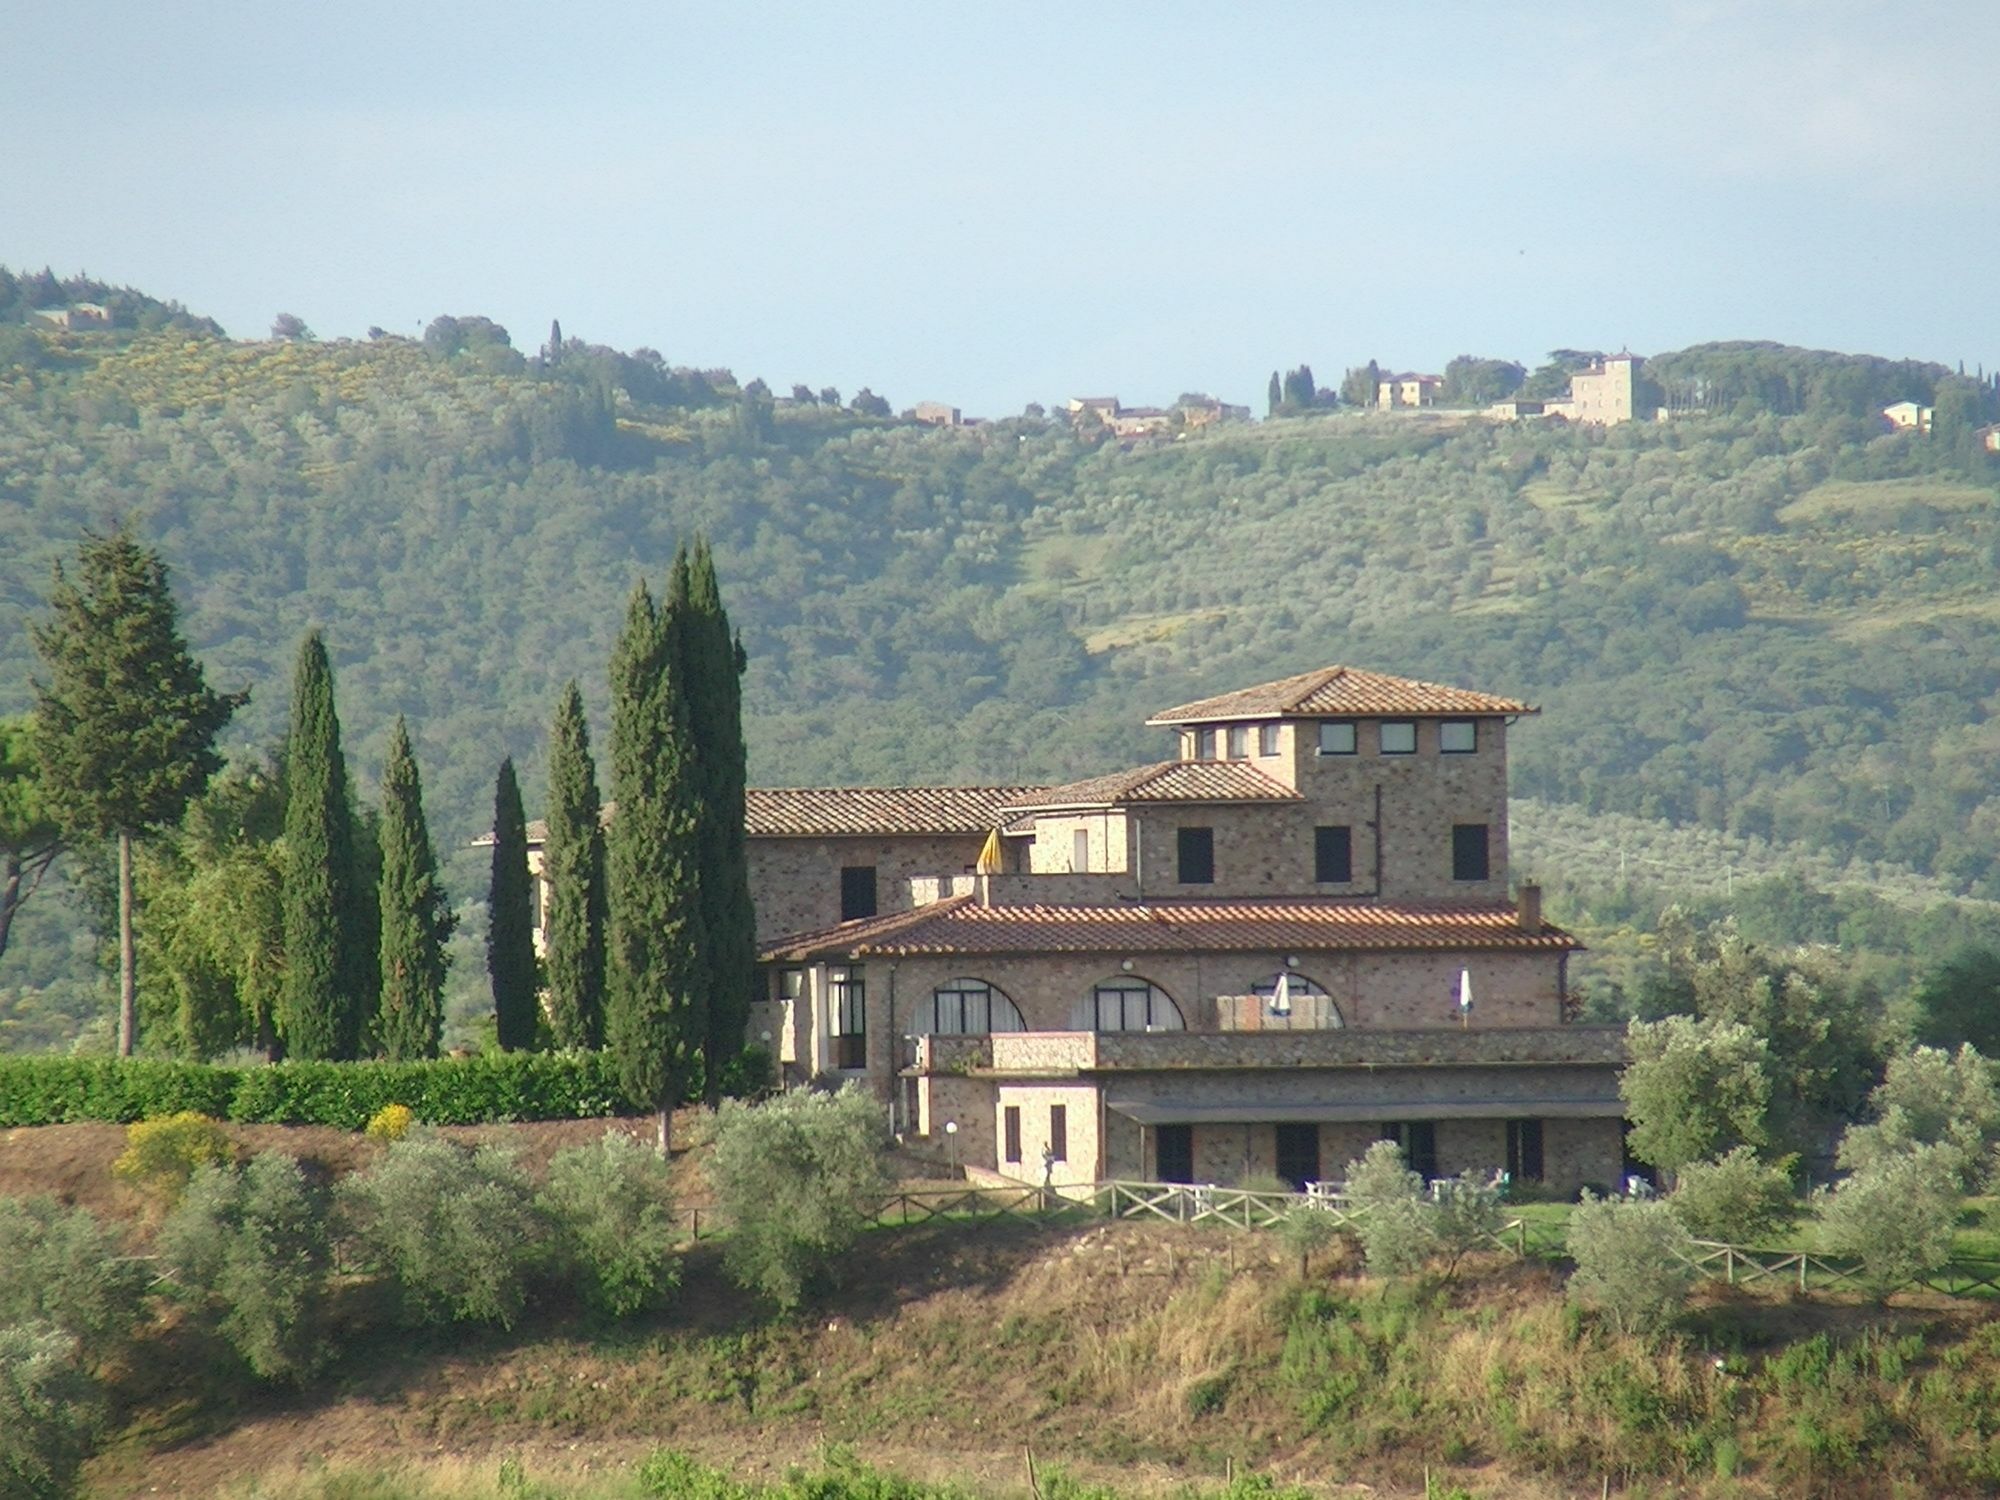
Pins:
x,y
1298,1154
1173,1153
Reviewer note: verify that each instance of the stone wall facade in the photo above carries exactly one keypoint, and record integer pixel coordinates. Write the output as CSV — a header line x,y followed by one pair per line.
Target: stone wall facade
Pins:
x,y
795,882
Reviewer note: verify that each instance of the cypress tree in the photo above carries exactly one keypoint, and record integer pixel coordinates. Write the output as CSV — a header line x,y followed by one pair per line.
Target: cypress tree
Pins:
x,y
573,869
652,1022
327,993
125,727
510,931
1275,396
714,661
416,919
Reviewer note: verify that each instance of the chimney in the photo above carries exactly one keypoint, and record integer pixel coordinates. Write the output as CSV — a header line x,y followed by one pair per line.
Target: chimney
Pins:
x,y
1531,908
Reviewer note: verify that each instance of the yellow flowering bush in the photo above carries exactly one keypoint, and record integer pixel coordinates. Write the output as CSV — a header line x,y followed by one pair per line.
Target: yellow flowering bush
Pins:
x,y
161,1155
391,1122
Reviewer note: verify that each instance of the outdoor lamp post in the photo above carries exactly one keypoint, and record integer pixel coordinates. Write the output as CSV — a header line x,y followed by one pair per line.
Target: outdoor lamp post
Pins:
x,y
951,1142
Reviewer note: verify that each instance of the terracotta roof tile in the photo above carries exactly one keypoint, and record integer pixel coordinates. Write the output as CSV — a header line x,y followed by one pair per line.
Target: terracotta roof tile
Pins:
x,y
1340,690
960,925
879,809
1166,781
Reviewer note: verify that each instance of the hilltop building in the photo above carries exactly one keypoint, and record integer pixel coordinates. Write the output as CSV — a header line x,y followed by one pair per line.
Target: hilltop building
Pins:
x,y
1908,416
1292,937
1407,392
1608,393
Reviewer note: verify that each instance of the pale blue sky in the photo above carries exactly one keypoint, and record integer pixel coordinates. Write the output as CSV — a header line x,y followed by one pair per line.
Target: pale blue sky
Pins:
x,y
1007,203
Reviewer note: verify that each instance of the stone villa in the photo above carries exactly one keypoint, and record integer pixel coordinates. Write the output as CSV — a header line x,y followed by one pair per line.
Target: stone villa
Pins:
x,y
1292,938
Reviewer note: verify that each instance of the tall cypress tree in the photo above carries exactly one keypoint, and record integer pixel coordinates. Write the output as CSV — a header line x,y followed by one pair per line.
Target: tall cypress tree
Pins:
x,y
416,918
125,726
714,666
1274,397
510,930
327,995
652,1018
573,872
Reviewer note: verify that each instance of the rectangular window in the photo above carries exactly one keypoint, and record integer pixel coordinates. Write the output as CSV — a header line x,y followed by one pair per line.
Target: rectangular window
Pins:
x,y
1399,737
1336,737
1333,854
1239,741
1458,736
847,999
1197,856
1204,744
1059,1132
1524,1150
1468,851
1267,739
857,892
791,983
1079,851
1013,1117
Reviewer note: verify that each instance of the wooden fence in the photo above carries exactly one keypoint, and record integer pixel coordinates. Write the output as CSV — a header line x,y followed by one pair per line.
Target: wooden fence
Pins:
x,y
1253,1209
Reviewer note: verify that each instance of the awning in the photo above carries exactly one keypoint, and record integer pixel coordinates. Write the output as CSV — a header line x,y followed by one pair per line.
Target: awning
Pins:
x,y
1252,1112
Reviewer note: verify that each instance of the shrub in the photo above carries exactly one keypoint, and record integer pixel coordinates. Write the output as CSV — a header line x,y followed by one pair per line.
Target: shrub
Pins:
x,y
788,1174
1465,1216
1896,1216
1735,1197
161,1155
390,1123
250,1249
457,1229
62,1267
1632,1261
1304,1229
1397,1227
613,1214
49,1412
444,1091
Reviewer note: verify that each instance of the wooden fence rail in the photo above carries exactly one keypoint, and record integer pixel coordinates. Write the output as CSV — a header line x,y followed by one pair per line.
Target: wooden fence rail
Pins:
x,y
1252,1209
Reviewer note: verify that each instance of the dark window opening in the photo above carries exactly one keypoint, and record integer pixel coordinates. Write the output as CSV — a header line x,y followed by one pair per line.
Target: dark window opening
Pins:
x,y
1173,1153
1524,1150
1059,1132
1239,741
1468,851
1298,1154
1333,854
1418,1138
857,892
1013,1132
1197,856
1204,744
1267,739
847,997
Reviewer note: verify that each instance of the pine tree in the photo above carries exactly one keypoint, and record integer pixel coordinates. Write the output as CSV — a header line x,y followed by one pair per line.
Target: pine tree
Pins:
x,y
714,673
125,726
416,918
510,932
573,869
651,1021
330,944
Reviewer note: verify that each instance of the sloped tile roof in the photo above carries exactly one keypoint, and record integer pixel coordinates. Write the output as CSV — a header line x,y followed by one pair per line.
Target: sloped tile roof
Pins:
x,y
1340,690
1166,781
961,925
879,809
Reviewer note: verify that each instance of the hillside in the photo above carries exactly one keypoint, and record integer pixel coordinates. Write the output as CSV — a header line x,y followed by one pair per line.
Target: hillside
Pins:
x,y
1768,619
1140,1355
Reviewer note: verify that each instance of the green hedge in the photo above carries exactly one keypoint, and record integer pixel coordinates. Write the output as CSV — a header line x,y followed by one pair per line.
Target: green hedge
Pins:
x,y
450,1091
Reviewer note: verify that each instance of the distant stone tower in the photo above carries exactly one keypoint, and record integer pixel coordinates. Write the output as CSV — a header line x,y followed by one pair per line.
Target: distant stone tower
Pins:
x,y
1608,393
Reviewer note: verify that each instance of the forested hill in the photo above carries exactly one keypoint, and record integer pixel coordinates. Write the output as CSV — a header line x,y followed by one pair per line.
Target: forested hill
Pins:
x,y
1778,622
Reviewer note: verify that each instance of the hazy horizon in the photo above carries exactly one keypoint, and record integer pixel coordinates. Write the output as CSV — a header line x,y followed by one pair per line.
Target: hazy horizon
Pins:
x,y
1001,207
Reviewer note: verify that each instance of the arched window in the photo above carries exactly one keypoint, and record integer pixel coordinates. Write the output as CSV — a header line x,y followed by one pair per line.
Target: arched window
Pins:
x,y
1288,994
1127,1004
968,1007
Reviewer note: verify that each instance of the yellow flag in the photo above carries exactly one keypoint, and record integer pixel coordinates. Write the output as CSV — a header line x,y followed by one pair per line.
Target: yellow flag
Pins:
x,y
990,860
